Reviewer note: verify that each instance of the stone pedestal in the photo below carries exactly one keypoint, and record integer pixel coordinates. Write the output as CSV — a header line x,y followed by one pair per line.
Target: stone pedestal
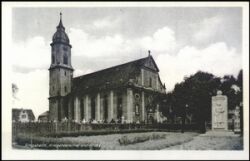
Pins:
x,y
219,112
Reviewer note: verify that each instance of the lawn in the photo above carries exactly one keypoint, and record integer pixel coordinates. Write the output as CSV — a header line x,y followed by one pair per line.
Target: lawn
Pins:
x,y
212,142
136,141
111,142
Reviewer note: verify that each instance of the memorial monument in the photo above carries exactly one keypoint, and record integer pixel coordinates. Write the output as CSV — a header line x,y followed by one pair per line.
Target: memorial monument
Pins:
x,y
219,112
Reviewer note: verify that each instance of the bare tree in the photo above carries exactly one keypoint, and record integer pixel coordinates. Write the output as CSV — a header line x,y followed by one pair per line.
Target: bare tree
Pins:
x,y
14,90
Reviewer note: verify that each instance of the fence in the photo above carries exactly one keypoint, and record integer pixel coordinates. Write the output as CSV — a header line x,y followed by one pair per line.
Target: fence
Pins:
x,y
45,128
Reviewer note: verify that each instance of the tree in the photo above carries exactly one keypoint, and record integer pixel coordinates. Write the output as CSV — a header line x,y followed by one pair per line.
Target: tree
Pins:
x,y
197,90
195,93
240,99
14,90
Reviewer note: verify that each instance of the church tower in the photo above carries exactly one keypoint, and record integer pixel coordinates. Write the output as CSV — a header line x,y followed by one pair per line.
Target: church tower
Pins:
x,y
60,73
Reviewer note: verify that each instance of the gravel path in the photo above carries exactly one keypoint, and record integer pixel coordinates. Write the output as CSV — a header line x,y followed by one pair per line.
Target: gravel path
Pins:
x,y
212,141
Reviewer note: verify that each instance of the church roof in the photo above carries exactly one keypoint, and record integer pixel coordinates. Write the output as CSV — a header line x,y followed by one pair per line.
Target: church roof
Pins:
x,y
113,77
60,35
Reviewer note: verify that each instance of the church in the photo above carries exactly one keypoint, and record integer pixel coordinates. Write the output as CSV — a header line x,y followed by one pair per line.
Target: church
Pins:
x,y
127,93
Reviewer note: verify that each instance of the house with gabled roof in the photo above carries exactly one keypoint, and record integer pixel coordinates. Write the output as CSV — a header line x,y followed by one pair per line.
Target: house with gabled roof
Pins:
x,y
22,115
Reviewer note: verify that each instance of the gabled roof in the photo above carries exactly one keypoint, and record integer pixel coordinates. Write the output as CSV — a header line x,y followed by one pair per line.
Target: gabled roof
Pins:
x,y
16,113
113,77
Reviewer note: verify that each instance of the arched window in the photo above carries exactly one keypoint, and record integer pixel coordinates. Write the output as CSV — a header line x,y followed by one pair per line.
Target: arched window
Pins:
x,y
65,59
53,59
65,89
137,109
119,106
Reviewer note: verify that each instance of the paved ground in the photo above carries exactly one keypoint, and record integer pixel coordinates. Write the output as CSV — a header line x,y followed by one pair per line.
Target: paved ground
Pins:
x,y
220,140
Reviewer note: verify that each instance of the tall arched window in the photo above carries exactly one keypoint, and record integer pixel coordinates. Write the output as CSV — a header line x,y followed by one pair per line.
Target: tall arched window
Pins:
x,y
137,109
65,59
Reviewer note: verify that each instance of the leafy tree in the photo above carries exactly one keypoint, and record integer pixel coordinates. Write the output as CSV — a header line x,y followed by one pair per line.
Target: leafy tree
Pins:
x,y
192,97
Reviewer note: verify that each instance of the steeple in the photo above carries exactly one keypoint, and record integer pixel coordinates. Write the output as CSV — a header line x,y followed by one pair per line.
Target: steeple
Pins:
x,y
60,25
60,73
60,36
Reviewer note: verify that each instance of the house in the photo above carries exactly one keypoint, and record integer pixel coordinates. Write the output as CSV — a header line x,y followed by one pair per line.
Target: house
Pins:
x,y
22,115
44,117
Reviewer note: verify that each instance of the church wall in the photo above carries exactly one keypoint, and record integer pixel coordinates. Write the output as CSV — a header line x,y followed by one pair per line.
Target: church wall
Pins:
x,y
154,77
144,79
54,82
62,109
53,108
70,109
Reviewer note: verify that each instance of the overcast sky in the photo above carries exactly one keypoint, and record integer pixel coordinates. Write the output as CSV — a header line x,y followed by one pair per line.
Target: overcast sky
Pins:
x,y
182,41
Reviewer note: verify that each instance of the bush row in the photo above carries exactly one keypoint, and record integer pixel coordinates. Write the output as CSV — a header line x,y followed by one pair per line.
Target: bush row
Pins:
x,y
138,139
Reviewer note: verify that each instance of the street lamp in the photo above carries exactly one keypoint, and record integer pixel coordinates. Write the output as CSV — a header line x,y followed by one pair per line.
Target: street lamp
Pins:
x,y
186,110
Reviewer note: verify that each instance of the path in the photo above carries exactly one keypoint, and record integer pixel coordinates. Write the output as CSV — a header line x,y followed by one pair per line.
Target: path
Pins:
x,y
219,140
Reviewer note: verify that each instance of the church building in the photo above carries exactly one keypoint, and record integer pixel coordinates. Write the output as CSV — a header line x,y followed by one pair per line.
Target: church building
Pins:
x,y
129,92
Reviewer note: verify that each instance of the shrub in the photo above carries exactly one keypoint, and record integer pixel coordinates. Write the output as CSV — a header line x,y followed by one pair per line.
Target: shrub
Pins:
x,y
124,140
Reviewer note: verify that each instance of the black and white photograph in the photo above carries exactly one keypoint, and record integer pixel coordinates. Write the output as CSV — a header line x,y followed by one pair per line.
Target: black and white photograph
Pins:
x,y
125,80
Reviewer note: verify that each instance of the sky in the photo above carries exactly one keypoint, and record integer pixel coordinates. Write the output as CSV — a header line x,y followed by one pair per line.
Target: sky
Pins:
x,y
182,40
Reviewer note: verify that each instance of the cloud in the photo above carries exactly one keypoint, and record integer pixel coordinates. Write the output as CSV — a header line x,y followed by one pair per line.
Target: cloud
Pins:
x,y
33,91
116,45
217,58
79,72
107,22
91,46
163,40
207,28
32,53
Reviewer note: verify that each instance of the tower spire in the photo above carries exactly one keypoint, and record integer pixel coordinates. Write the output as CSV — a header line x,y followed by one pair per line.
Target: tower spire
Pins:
x,y
60,25
60,16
